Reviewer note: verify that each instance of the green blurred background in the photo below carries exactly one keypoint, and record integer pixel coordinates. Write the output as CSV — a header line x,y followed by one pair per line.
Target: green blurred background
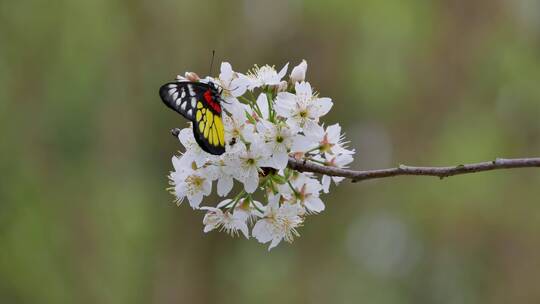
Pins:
x,y
85,149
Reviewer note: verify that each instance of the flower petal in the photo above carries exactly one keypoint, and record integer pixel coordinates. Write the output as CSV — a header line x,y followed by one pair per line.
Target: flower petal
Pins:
x,y
322,106
280,160
275,242
195,200
283,71
326,183
209,228
303,90
314,204
244,228
262,231
239,86
262,103
226,71
285,103
224,185
251,180
302,144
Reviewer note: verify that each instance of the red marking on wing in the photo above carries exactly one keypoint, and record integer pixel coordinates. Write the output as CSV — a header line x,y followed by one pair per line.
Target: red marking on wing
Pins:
x,y
208,97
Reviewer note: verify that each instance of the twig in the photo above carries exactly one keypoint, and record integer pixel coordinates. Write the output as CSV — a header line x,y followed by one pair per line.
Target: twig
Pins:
x,y
441,172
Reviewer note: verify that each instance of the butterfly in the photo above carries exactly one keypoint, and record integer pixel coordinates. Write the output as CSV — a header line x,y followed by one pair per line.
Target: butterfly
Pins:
x,y
200,103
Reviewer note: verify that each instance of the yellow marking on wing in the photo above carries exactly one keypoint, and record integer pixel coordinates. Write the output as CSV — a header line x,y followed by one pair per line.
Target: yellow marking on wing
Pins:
x,y
199,105
219,129
210,137
221,137
215,136
203,110
198,116
208,121
201,126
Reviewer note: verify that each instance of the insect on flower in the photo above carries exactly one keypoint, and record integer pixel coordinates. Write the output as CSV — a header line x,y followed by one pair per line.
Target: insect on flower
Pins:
x,y
200,103
251,125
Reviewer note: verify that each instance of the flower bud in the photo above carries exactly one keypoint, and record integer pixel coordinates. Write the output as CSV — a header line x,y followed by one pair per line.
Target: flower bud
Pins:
x,y
282,87
298,155
298,74
192,76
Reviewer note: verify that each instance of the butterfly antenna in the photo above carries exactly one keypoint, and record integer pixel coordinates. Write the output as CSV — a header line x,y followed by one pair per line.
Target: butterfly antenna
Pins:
x,y
212,61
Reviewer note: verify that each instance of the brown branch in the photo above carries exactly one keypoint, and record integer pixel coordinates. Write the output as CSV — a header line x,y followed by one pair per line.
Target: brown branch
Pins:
x,y
441,172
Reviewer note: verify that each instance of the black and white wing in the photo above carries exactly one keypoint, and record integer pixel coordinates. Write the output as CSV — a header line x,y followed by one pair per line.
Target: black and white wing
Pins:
x,y
182,96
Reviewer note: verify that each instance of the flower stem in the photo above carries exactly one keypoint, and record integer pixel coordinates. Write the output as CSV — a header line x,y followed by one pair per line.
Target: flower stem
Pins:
x,y
271,113
253,105
234,202
292,188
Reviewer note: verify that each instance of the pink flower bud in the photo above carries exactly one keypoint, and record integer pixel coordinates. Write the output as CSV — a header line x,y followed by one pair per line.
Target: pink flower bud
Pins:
x,y
191,76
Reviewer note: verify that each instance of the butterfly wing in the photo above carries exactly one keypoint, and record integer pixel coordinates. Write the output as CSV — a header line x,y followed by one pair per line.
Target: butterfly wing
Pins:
x,y
196,101
208,127
182,96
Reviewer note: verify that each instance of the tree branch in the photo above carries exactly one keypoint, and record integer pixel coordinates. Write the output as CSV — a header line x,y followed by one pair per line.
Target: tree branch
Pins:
x,y
441,172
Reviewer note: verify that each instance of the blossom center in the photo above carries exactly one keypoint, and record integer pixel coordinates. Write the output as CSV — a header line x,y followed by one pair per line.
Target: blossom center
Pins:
x,y
325,145
194,180
302,195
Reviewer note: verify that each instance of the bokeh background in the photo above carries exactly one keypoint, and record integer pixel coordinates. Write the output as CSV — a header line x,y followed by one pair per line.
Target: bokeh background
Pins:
x,y
85,149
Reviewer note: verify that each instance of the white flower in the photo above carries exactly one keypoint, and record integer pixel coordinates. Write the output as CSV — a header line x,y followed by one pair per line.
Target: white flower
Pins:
x,y
249,162
238,128
298,73
306,192
262,132
190,183
260,111
234,84
327,179
278,139
302,110
265,75
301,145
194,153
278,223
221,172
215,218
252,209
339,161
331,141
262,105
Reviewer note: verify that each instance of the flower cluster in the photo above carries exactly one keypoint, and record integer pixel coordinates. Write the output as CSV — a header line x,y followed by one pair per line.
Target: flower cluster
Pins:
x,y
267,120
